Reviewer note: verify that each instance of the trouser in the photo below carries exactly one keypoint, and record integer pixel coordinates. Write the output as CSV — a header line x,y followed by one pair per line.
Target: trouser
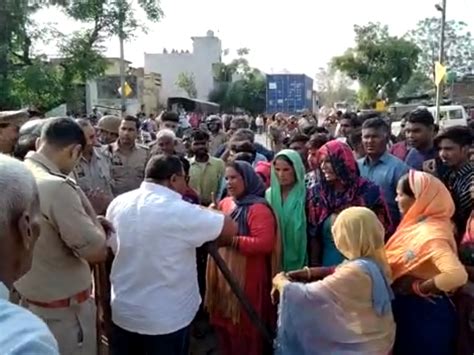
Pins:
x,y
74,327
129,343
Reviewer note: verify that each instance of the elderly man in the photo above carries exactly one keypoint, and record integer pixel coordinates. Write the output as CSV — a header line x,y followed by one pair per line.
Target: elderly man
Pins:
x,y
21,331
165,143
10,122
58,286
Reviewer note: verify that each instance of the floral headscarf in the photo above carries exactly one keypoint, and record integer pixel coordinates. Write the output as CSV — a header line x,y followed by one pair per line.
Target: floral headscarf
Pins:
x,y
325,200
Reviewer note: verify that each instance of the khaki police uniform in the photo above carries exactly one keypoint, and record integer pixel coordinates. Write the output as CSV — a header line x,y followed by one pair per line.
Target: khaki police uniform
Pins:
x,y
216,141
94,173
16,118
58,273
128,168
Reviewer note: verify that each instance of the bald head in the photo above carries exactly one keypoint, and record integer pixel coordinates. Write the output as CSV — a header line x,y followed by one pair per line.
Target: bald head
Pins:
x,y
19,220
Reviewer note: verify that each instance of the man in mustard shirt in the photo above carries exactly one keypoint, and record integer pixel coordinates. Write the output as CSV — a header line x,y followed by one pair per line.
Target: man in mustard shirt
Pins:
x,y
206,173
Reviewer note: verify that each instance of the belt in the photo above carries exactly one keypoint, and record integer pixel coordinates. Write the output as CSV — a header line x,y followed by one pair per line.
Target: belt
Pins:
x,y
78,298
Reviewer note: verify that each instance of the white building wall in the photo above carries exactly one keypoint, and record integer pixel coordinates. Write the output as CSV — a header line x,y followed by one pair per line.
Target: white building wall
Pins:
x,y
206,52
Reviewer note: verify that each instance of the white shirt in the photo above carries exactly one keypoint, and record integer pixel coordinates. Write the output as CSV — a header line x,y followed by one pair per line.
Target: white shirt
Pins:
x,y
21,332
154,277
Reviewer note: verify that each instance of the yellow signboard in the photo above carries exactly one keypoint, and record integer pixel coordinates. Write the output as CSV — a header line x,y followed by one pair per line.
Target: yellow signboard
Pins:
x,y
127,90
440,73
380,106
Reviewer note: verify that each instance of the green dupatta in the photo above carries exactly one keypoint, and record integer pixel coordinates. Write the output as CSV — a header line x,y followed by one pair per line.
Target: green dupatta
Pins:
x,y
291,214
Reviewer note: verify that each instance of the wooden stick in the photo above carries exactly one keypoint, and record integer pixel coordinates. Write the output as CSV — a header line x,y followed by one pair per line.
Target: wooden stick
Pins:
x,y
235,287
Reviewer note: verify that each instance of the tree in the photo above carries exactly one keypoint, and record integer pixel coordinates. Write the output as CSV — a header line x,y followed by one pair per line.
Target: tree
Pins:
x,y
333,86
241,52
187,83
419,84
378,61
38,85
238,85
81,52
458,44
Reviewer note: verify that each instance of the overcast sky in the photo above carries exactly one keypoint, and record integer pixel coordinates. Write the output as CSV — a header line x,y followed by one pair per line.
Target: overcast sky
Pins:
x,y
297,35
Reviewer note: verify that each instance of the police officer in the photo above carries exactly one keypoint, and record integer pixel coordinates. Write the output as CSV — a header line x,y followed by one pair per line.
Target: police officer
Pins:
x,y
29,133
107,129
218,137
128,159
58,286
92,172
10,123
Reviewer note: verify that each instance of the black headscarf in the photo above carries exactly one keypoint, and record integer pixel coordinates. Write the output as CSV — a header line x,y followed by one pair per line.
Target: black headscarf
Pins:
x,y
254,193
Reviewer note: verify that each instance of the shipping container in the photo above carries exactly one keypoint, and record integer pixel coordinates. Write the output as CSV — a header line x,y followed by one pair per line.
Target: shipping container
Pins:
x,y
289,93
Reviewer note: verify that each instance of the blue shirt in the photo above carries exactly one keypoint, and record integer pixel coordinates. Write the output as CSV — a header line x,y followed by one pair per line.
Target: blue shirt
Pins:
x,y
416,158
385,173
21,332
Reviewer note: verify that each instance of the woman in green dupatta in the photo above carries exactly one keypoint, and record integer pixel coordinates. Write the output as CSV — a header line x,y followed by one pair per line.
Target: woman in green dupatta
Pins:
x,y
287,196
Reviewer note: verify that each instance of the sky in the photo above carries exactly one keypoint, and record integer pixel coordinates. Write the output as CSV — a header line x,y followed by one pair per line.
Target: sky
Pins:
x,y
299,35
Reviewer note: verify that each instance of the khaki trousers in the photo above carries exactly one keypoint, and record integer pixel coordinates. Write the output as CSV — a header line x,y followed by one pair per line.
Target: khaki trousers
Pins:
x,y
74,327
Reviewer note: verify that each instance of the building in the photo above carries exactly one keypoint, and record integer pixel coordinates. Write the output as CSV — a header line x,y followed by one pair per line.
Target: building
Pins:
x,y
206,52
104,92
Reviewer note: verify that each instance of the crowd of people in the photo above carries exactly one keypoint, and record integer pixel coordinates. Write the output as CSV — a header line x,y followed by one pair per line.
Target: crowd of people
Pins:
x,y
339,239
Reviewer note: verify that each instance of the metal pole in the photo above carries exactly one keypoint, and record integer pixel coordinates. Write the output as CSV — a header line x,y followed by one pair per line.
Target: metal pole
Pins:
x,y
123,98
439,88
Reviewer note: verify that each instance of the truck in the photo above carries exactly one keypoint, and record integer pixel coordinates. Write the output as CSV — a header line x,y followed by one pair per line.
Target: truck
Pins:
x,y
289,93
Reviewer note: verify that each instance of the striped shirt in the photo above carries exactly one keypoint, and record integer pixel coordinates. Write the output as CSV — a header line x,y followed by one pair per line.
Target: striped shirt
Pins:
x,y
458,182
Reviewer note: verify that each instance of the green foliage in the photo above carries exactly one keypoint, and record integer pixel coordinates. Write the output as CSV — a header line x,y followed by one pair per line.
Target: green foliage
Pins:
x,y
243,51
378,61
333,86
238,85
187,83
38,85
220,95
222,72
419,84
29,80
14,45
458,44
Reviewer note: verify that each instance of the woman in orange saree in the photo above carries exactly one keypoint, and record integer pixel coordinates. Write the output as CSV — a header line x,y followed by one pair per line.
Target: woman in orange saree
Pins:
x,y
422,255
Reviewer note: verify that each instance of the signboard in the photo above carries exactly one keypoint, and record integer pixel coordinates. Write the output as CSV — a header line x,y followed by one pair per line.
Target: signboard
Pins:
x,y
440,73
380,106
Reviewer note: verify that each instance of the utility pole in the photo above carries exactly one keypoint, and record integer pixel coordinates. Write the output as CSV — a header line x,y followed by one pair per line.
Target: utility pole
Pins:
x,y
439,88
123,98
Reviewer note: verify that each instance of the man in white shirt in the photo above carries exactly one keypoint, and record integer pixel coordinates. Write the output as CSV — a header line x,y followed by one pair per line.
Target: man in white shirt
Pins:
x,y
155,293
21,332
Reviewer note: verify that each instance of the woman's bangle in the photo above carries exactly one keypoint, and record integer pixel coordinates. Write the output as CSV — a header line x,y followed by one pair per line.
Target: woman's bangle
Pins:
x,y
308,272
416,289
